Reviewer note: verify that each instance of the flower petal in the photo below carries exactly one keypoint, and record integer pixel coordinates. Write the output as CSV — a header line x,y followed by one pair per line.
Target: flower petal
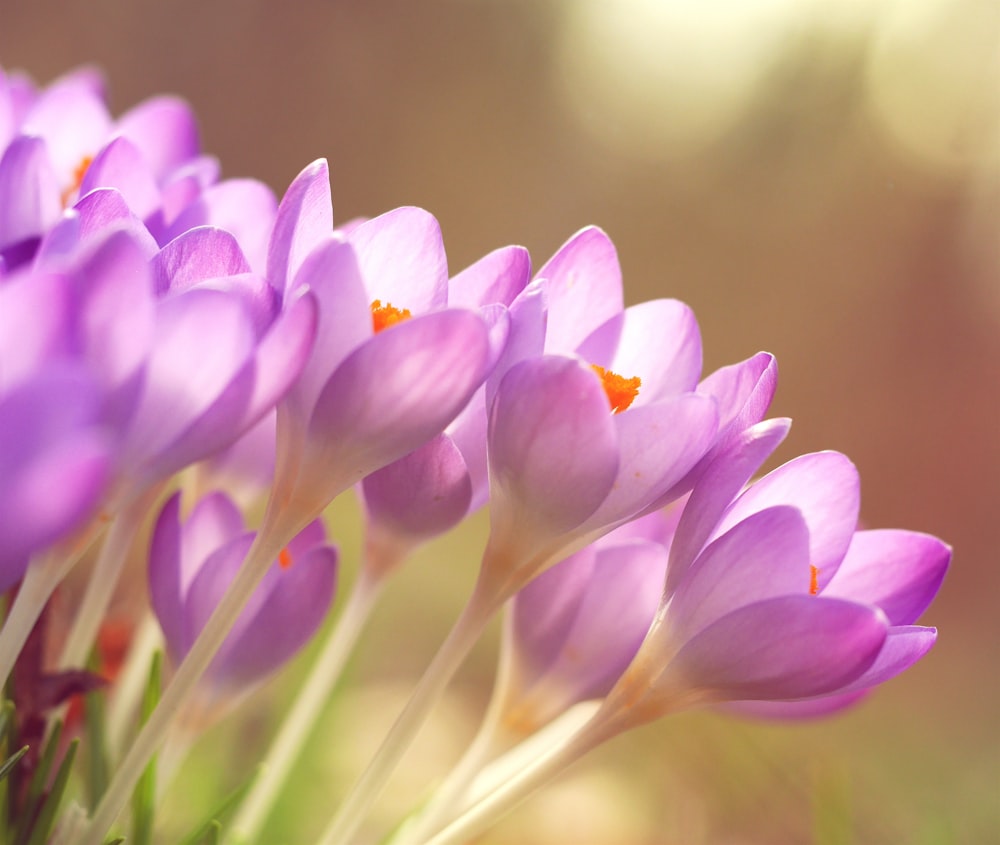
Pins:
x,y
900,571
121,166
402,259
825,487
165,130
196,255
584,287
304,218
498,276
423,493
778,649
29,192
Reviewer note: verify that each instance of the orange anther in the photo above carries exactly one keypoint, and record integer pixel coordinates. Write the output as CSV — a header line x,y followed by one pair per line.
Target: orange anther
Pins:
x,y
386,315
78,173
284,558
621,391
813,580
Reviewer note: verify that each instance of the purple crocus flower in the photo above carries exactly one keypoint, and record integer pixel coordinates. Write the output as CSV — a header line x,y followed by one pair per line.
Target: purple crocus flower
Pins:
x,y
431,489
61,143
193,561
575,628
392,366
779,599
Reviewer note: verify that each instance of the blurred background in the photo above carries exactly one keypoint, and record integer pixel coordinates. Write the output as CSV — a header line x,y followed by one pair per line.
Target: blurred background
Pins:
x,y
819,179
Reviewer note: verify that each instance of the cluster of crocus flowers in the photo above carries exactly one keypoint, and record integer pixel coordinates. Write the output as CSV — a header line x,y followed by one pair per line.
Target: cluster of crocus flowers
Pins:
x,y
180,356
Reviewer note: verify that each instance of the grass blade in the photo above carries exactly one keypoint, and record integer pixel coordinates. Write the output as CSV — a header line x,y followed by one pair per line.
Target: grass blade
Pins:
x,y
144,797
47,814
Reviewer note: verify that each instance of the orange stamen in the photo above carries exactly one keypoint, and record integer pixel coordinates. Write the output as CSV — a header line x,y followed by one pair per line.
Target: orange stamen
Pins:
x,y
386,315
621,391
74,188
813,580
285,558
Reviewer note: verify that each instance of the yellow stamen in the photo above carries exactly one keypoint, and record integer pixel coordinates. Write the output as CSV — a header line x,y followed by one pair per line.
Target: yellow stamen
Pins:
x,y
386,315
71,192
813,580
621,391
285,558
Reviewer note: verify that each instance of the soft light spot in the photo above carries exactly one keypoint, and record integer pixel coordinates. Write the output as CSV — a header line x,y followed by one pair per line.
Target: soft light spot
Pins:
x,y
621,391
285,558
813,580
71,192
386,315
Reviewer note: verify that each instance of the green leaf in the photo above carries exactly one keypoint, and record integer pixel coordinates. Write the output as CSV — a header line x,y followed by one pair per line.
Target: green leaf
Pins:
x,y
7,765
144,797
117,841
47,814
6,719
214,834
35,795
202,834
96,744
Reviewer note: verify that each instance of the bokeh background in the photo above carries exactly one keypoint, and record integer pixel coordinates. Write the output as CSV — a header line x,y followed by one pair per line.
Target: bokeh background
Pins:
x,y
819,179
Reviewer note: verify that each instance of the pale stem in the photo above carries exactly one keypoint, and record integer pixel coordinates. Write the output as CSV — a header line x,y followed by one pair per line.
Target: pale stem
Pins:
x,y
102,583
39,582
124,701
265,548
309,704
456,647
450,792
501,801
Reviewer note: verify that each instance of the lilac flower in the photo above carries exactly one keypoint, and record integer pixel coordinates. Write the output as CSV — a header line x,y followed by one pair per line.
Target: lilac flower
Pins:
x,y
432,488
392,364
575,628
783,600
191,564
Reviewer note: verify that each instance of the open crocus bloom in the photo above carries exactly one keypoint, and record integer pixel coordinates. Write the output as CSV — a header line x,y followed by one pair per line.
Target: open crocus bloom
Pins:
x,y
392,365
785,601
191,564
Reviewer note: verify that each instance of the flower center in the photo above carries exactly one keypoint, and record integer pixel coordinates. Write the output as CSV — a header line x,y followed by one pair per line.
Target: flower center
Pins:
x,y
813,580
386,315
71,192
285,558
621,391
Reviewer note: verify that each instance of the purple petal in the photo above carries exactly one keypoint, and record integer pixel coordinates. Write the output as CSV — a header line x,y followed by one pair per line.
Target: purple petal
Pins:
x,y
251,393
35,313
657,341
92,218
724,477
825,487
54,464
584,285
763,557
525,336
29,192
810,708
304,218
392,394
286,610
167,581
345,320
165,130
197,255
121,166
402,260
743,391
779,649
903,647
244,207
553,449
73,120
657,444
423,494
213,522
498,276
900,571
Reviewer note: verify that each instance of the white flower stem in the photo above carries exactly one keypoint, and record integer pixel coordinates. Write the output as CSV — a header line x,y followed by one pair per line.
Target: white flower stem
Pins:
x,y
264,550
486,812
459,643
123,703
102,582
39,582
306,710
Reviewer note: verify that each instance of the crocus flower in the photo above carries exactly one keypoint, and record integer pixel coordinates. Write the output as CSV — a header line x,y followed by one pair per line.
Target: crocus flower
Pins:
x,y
392,366
193,561
575,628
431,489
774,606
